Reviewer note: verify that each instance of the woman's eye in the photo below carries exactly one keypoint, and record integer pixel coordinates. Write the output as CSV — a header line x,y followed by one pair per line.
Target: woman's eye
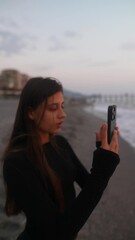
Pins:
x,y
53,108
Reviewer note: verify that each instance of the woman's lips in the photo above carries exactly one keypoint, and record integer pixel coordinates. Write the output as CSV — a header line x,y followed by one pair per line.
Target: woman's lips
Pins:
x,y
59,125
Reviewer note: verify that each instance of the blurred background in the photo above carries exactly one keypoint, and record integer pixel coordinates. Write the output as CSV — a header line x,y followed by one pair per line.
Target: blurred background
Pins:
x,y
89,45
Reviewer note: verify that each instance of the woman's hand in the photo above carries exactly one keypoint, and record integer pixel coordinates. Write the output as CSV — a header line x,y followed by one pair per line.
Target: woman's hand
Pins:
x,y
101,137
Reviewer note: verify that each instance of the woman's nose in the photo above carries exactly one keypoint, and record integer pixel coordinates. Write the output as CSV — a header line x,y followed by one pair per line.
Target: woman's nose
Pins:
x,y
62,113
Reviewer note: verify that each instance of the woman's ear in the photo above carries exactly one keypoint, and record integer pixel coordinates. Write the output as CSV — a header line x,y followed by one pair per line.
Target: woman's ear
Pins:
x,y
31,114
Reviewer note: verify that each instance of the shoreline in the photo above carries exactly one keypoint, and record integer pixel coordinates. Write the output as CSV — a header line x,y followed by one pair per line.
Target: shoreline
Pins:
x,y
125,120
121,139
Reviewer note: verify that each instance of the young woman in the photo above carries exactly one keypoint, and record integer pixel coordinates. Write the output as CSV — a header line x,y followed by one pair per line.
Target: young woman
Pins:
x,y
40,167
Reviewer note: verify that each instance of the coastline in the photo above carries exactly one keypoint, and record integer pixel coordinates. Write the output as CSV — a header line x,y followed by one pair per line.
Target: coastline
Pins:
x,y
114,216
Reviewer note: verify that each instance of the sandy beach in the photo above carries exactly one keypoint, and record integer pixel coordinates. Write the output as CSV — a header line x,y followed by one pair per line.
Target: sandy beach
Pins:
x,y
114,216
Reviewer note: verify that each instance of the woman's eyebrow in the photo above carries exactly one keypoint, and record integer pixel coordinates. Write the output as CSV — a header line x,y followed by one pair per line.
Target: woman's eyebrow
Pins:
x,y
54,103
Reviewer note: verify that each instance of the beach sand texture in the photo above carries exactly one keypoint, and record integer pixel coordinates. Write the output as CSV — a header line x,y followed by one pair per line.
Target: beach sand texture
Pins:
x,y
114,216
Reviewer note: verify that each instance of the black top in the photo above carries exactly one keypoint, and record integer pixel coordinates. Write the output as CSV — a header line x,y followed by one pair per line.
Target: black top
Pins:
x,y
34,194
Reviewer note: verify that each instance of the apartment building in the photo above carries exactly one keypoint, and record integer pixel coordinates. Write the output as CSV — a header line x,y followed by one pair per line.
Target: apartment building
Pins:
x,y
12,79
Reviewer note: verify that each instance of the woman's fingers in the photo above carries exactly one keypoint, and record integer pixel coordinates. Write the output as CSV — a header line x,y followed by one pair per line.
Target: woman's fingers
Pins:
x,y
114,145
102,139
103,133
98,139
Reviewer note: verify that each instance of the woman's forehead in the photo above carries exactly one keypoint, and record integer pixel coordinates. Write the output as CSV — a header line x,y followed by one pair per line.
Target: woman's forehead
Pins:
x,y
56,98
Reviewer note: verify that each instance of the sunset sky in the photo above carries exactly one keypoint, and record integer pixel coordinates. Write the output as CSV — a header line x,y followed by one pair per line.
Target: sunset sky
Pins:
x,y
89,45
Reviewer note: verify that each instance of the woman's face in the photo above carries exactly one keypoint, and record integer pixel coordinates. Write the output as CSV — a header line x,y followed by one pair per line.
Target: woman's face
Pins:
x,y
49,116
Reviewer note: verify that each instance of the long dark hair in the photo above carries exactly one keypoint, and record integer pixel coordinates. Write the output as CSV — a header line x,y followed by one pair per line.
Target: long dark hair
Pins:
x,y
24,135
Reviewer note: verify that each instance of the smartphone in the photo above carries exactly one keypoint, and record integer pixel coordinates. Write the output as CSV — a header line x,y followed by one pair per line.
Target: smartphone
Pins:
x,y
111,121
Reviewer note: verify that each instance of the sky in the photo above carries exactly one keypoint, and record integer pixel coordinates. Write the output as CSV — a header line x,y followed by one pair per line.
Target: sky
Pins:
x,y
89,45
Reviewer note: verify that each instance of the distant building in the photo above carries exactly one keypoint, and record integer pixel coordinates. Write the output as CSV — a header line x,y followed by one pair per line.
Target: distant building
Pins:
x,y
12,79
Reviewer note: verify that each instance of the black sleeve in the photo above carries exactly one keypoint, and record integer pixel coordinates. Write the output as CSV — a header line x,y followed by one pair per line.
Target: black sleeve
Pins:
x,y
81,172
38,206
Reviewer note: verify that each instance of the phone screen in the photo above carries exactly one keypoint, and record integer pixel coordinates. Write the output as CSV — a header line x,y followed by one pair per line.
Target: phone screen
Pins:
x,y
111,121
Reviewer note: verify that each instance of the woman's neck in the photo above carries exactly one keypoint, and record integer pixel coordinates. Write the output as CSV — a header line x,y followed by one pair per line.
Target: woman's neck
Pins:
x,y
45,138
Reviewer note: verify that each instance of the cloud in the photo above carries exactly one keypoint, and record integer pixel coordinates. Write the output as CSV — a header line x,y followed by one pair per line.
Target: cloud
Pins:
x,y
57,45
128,46
72,34
12,43
8,23
63,43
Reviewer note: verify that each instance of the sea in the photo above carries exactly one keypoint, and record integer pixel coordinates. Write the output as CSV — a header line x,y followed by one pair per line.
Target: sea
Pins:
x,y
125,118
